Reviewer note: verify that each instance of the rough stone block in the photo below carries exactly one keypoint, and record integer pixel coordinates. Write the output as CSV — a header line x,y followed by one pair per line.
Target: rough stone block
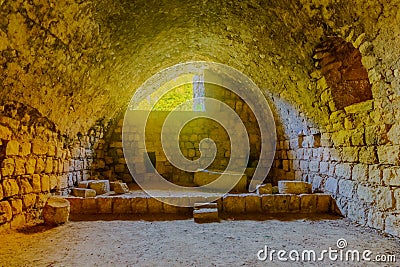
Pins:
x,y
294,203
122,205
19,166
294,187
29,200
275,190
253,204
366,193
360,173
30,166
264,189
343,170
367,155
10,187
7,167
389,155
346,188
392,224
281,203
83,192
12,148
104,204
308,203
234,204
206,215
40,165
84,184
75,205
5,133
18,221
39,147
154,205
16,206
267,203
316,184
376,219
36,183
1,192
45,183
5,212
341,138
350,154
53,181
25,149
56,211
48,165
357,138
121,188
100,186
139,205
384,198
391,176
89,206
324,203
375,174
393,135
397,199
26,187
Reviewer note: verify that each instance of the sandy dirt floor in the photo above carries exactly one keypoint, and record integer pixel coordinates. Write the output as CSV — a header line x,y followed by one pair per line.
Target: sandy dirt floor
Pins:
x,y
181,242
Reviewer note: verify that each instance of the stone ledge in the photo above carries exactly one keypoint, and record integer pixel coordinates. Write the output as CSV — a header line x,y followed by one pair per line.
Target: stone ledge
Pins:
x,y
229,204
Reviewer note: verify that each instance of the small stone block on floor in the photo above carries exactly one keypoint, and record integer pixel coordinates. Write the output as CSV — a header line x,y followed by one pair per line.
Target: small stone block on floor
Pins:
x,y
83,192
84,184
100,186
56,211
206,215
120,188
264,189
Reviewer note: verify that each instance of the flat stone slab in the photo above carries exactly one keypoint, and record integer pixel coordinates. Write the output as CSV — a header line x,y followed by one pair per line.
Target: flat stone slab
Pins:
x,y
100,186
206,215
83,192
294,187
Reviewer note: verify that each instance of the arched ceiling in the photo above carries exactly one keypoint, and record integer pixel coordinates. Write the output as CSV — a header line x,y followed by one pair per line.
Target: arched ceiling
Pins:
x,y
81,61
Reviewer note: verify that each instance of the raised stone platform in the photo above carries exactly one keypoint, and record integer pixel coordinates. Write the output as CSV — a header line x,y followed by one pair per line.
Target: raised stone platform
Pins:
x,y
230,204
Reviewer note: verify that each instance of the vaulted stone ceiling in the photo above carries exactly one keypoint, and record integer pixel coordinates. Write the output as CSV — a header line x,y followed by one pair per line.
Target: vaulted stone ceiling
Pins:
x,y
80,61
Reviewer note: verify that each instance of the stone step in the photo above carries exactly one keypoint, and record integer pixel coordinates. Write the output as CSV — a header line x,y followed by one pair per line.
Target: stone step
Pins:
x,y
83,192
206,215
198,206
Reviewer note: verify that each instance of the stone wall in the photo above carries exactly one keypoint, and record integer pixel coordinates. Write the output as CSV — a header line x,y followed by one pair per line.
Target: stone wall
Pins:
x,y
110,161
36,162
355,154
